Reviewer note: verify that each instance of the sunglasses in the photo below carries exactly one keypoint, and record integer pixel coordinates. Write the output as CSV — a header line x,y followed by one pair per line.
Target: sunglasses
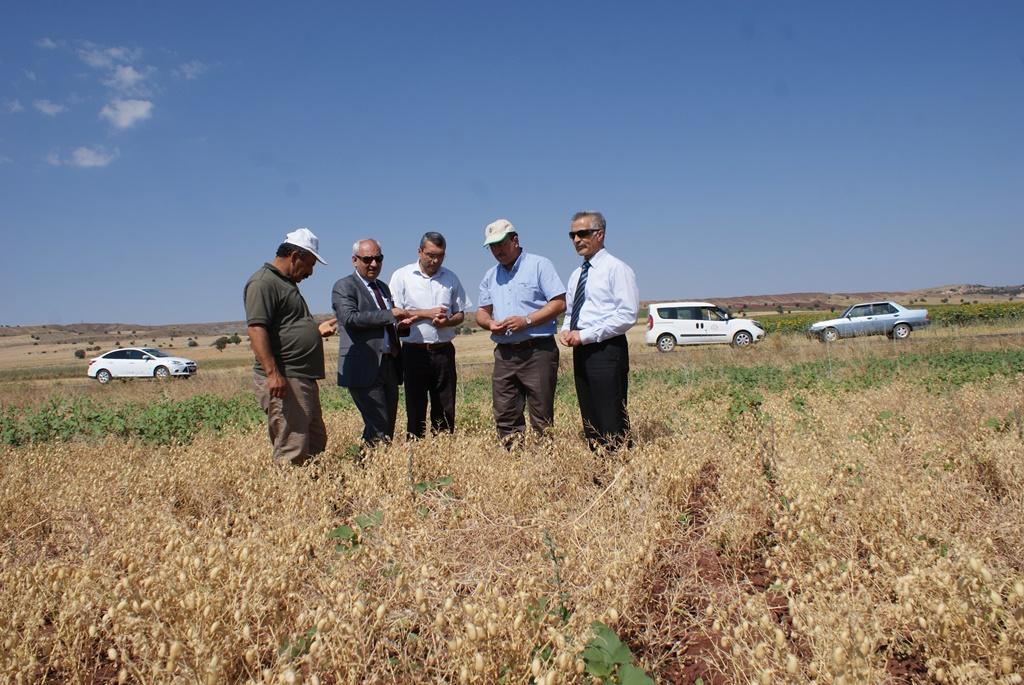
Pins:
x,y
583,233
379,258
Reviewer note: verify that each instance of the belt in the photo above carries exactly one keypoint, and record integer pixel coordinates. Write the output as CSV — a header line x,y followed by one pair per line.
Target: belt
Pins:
x,y
525,344
428,346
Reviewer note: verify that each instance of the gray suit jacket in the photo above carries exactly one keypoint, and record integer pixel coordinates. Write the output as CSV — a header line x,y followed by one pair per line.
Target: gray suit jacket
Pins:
x,y
362,326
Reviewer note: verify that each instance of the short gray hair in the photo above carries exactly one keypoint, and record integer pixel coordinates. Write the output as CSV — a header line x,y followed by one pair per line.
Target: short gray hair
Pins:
x,y
596,219
355,245
434,238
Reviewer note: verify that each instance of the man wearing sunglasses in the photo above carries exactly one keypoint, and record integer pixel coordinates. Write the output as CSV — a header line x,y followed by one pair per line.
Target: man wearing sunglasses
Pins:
x,y
369,362
520,298
289,350
603,303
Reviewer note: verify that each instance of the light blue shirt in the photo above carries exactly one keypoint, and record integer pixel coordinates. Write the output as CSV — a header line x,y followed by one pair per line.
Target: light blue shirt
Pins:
x,y
530,284
611,299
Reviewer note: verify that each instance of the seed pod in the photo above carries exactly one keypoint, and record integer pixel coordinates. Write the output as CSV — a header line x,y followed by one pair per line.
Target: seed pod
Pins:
x,y
792,665
176,649
464,675
535,667
112,654
766,677
478,662
381,609
419,595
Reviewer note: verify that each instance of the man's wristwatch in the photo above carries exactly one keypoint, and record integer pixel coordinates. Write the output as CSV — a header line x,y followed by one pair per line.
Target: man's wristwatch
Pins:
x,y
529,322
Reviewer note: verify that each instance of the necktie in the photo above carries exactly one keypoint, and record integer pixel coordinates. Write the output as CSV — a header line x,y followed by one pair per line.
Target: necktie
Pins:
x,y
579,297
392,333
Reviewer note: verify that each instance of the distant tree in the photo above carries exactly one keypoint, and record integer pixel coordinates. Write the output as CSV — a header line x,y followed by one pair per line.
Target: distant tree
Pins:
x,y
832,308
944,300
221,342
778,308
192,343
234,339
79,354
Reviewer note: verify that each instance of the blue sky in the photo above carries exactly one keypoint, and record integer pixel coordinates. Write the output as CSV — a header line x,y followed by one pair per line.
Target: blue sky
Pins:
x,y
153,155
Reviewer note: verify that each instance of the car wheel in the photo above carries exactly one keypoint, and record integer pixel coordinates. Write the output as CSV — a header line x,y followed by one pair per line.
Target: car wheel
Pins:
x,y
829,335
161,372
742,339
901,331
666,342
103,376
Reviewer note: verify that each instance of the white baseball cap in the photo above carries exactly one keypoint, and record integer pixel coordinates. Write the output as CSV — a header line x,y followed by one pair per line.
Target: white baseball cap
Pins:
x,y
304,238
497,231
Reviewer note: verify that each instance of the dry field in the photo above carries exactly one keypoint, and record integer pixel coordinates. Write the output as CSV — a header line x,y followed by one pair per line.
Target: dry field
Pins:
x,y
790,513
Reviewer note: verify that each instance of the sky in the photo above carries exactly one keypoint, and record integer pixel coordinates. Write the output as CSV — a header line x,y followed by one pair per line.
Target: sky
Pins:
x,y
153,155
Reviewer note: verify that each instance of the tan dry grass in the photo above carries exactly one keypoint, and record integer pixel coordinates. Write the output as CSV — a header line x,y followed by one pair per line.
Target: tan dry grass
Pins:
x,y
869,537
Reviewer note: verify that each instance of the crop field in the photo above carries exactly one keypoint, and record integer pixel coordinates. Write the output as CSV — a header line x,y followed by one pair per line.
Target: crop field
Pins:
x,y
791,513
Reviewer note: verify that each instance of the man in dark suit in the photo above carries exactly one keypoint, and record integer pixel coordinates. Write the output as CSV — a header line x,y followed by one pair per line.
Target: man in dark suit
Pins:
x,y
369,357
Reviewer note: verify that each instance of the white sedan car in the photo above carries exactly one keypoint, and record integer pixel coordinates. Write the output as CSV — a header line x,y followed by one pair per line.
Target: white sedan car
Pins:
x,y
697,323
136,362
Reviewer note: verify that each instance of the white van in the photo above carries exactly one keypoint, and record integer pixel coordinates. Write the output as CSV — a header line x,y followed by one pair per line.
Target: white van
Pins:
x,y
697,323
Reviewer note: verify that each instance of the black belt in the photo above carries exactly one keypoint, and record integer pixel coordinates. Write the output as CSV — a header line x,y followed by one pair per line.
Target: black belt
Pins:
x,y
429,346
525,344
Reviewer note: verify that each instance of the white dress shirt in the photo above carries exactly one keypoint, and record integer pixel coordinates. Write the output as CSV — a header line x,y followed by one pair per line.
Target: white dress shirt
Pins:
x,y
612,299
413,289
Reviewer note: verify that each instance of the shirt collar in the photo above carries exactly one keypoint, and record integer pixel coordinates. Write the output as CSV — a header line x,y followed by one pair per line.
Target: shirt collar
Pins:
x,y
598,256
515,264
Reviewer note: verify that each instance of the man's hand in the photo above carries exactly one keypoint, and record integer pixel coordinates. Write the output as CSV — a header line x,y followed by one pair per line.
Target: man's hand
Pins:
x,y
400,313
433,313
514,323
570,338
328,328
277,385
496,327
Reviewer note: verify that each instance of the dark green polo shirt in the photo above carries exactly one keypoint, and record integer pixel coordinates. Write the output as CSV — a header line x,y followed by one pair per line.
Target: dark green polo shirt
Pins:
x,y
274,302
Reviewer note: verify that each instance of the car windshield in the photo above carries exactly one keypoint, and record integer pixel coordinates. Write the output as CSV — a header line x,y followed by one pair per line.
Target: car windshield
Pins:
x,y
155,352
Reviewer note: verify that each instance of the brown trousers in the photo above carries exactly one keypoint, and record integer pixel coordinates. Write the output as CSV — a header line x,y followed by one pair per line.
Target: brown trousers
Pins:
x,y
524,375
295,422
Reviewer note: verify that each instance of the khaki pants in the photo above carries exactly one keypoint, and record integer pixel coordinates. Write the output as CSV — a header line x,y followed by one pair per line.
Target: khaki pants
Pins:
x,y
295,422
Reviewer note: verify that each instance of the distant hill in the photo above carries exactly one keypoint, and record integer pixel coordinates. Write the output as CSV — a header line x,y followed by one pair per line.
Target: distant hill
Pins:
x,y
69,333
823,301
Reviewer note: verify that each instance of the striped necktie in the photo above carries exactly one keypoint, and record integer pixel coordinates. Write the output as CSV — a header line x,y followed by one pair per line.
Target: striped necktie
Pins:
x,y
579,297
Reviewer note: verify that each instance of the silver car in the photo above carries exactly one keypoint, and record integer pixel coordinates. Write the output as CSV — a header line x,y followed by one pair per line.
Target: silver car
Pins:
x,y
871,318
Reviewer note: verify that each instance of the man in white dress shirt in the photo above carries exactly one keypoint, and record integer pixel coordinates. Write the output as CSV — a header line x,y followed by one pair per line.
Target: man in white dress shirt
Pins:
x,y
435,298
602,303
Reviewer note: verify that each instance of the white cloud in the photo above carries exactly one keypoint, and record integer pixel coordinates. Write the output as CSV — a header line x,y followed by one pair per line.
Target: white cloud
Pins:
x,y
31,75
127,113
14,106
102,58
127,78
191,70
46,43
84,157
4,159
91,157
50,109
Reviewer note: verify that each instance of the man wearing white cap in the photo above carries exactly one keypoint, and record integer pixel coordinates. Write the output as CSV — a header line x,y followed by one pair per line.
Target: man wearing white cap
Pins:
x,y
288,345
520,298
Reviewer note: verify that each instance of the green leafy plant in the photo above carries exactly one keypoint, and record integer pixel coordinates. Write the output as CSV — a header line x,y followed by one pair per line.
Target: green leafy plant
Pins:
x,y
609,659
297,647
350,537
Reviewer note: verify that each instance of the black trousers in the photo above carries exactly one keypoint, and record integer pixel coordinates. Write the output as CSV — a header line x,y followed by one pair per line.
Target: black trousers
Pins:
x,y
378,403
430,374
601,372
